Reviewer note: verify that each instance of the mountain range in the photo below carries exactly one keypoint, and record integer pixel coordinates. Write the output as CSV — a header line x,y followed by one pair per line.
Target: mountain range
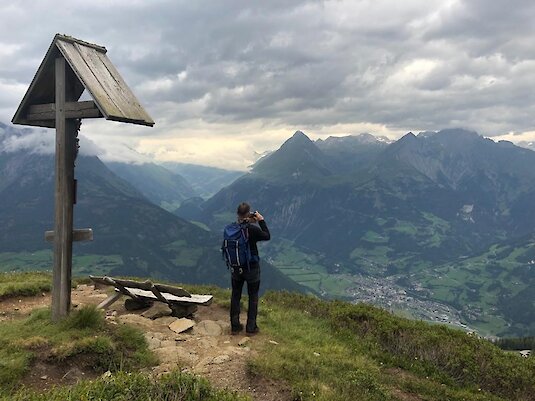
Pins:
x,y
395,212
133,235
437,225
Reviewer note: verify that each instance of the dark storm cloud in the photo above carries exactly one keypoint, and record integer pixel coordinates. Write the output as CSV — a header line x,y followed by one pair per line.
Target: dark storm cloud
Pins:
x,y
411,65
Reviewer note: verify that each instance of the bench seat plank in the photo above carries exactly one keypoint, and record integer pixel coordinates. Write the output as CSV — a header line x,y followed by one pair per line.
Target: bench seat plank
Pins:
x,y
192,299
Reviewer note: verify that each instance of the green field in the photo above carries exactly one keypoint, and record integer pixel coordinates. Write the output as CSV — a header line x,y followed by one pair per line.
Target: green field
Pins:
x,y
43,260
307,269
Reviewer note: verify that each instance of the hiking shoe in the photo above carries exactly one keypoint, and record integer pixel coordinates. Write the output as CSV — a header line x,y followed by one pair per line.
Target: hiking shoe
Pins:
x,y
253,332
236,329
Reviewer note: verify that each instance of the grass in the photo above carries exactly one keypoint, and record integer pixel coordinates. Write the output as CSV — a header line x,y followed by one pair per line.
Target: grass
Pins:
x,y
133,386
83,264
306,268
338,351
326,351
26,284
84,332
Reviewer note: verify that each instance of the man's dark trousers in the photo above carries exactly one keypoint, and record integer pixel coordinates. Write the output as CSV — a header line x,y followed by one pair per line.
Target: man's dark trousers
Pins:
x,y
252,277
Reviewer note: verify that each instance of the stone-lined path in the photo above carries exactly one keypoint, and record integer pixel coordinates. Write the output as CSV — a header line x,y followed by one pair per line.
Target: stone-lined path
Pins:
x,y
207,349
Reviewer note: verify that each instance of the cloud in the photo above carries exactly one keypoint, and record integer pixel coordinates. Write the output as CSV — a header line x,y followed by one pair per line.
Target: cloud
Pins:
x,y
236,71
38,141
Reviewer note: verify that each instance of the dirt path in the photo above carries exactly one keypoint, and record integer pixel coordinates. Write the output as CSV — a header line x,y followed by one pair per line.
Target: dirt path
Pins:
x,y
208,349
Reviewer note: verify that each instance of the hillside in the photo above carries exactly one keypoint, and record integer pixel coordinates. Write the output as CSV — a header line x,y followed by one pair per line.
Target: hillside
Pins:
x,y
156,183
132,235
308,349
205,180
359,218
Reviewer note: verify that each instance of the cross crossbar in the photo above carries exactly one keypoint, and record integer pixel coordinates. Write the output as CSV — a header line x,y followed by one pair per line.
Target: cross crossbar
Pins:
x,y
43,112
83,234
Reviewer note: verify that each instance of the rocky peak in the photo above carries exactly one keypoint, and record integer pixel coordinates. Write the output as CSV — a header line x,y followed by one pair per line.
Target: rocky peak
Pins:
x,y
298,138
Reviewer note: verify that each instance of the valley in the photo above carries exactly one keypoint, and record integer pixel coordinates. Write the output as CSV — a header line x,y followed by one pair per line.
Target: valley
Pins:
x,y
424,226
406,223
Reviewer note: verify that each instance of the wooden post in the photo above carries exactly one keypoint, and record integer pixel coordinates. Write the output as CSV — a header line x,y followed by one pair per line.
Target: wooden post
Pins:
x,y
66,131
79,66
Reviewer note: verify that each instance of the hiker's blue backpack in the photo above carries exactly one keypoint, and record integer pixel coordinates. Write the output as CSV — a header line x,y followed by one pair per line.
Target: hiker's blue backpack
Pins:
x,y
235,248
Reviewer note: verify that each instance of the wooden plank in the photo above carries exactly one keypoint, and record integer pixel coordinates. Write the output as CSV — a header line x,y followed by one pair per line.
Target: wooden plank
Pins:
x,y
194,299
84,74
88,113
142,285
127,92
41,71
64,193
109,301
118,96
69,106
158,294
71,39
38,123
84,234
178,291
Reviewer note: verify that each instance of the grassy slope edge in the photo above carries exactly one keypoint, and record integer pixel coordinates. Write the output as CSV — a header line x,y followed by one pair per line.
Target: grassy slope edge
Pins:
x,y
323,350
339,351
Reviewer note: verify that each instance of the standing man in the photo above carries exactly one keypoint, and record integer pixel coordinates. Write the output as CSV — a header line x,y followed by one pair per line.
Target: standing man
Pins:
x,y
241,254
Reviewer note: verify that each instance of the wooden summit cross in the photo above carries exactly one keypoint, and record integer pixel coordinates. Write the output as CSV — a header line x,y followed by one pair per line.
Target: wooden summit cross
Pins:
x,y
71,66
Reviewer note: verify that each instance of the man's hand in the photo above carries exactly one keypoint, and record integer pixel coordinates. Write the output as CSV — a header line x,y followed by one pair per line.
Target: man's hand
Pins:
x,y
258,216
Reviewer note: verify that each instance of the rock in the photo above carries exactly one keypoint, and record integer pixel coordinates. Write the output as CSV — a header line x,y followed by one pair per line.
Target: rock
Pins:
x,y
202,366
155,334
218,360
157,310
136,320
167,355
175,355
44,377
207,328
152,342
186,357
165,321
236,350
135,304
181,325
207,342
224,325
183,310
244,341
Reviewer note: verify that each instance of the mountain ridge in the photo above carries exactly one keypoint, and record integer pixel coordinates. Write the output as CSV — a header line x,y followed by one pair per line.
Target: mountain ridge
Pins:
x,y
406,207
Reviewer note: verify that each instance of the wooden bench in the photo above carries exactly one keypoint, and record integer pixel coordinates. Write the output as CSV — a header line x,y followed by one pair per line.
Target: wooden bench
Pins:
x,y
142,294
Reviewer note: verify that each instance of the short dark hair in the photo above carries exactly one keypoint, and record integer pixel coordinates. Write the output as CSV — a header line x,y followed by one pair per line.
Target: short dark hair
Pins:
x,y
243,209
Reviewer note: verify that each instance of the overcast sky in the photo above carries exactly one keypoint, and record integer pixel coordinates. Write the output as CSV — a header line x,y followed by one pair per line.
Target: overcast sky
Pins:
x,y
224,79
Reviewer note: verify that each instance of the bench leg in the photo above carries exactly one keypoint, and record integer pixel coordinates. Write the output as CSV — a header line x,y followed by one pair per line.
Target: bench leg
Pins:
x,y
109,301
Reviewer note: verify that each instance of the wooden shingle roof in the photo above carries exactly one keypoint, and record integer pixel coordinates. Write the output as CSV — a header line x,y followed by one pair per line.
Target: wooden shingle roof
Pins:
x,y
94,72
